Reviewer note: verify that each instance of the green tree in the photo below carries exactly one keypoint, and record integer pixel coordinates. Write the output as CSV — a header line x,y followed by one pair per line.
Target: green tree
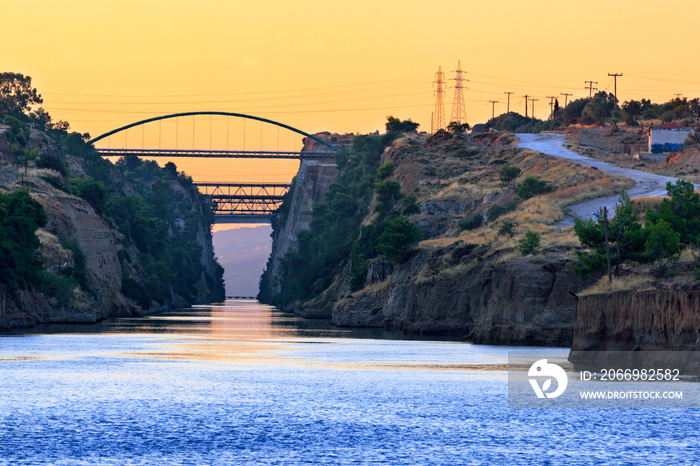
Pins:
x,y
598,109
20,217
90,190
508,175
531,187
409,205
457,128
530,243
398,237
17,94
626,238
395,125
632,110
681,210
385,170
662,242
388,192
572,112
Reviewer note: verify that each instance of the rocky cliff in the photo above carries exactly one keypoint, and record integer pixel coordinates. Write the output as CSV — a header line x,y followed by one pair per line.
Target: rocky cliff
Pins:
x,y
310,185
75,228
665,319
472,285
521,302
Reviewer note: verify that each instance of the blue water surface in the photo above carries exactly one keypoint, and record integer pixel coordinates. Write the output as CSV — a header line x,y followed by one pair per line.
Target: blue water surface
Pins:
x,y
243,384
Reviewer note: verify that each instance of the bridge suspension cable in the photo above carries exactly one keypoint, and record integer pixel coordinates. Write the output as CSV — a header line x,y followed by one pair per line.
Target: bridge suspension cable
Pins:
x,y
229,114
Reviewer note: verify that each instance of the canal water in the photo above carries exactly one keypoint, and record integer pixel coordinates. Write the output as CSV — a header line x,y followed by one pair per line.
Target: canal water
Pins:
x,y
242,383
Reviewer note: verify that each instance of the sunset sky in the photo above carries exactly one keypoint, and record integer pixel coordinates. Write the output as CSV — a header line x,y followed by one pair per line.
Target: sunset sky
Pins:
x,y
333,65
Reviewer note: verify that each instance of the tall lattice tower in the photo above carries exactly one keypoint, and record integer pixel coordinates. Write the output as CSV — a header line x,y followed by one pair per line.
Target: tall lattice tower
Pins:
x,y
439,114
459,110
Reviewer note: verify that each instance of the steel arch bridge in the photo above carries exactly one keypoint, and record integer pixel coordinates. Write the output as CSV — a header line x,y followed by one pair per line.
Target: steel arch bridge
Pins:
x,y
233,202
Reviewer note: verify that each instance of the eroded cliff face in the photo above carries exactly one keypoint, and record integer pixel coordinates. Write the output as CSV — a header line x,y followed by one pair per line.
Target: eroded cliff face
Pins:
x,y
519,302
72,220
653,320
311,184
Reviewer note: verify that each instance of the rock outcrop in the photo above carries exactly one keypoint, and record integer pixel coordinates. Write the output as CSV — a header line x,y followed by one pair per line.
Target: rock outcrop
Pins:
x,y
310,186
519,302
73,221
629,320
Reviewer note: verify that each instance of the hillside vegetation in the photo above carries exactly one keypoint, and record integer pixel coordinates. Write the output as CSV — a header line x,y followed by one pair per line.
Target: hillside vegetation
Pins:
x,y
80,232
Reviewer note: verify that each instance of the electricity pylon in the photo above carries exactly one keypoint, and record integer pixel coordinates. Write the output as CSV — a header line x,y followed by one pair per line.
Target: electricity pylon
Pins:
x,y
459,109
439,114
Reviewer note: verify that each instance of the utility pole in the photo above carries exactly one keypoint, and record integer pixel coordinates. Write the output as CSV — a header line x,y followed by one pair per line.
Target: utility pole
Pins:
x,y
508,106
615,75
607,244
566,95
678,96
551,106
533,106
439,104
493,107
590,87
526,96
459,110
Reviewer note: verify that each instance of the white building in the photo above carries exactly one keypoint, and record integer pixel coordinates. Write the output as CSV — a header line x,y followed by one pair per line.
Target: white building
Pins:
x,y
668,137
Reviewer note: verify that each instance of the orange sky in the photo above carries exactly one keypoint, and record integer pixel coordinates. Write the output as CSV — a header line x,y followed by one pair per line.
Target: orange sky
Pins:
x,y
332,65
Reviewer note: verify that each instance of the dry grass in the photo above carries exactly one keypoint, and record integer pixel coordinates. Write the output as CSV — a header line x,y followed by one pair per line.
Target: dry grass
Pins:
x,y
625,282
52,253
651,202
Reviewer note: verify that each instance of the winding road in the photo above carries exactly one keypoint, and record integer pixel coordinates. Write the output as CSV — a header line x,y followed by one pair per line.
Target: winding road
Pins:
x,y
648,184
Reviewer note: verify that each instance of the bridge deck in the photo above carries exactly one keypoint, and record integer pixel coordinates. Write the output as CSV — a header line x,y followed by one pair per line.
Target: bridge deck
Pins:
x,y
203,153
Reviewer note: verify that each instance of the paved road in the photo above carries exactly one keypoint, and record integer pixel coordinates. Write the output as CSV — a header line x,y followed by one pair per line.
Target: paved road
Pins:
x,y
648,184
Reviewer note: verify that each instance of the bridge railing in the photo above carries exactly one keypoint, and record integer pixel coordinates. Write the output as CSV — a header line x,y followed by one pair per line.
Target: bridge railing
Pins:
x,y
203,153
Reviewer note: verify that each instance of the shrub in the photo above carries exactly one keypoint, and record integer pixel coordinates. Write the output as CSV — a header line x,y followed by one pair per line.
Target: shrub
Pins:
x,y
530,243
508,228
53,163
498,210
409,205
531,187
471,223
385,170
508,174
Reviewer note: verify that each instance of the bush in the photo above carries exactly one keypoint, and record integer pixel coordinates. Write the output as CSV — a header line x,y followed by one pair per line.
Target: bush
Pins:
x,y
388,192
508,228
409,205
531,187
20,217
395,125
508,174
471,223
385,170
530,243
52,163
398,237
498,210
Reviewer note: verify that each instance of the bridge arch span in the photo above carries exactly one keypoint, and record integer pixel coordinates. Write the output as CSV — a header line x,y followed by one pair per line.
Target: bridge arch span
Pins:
x,y
229,114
